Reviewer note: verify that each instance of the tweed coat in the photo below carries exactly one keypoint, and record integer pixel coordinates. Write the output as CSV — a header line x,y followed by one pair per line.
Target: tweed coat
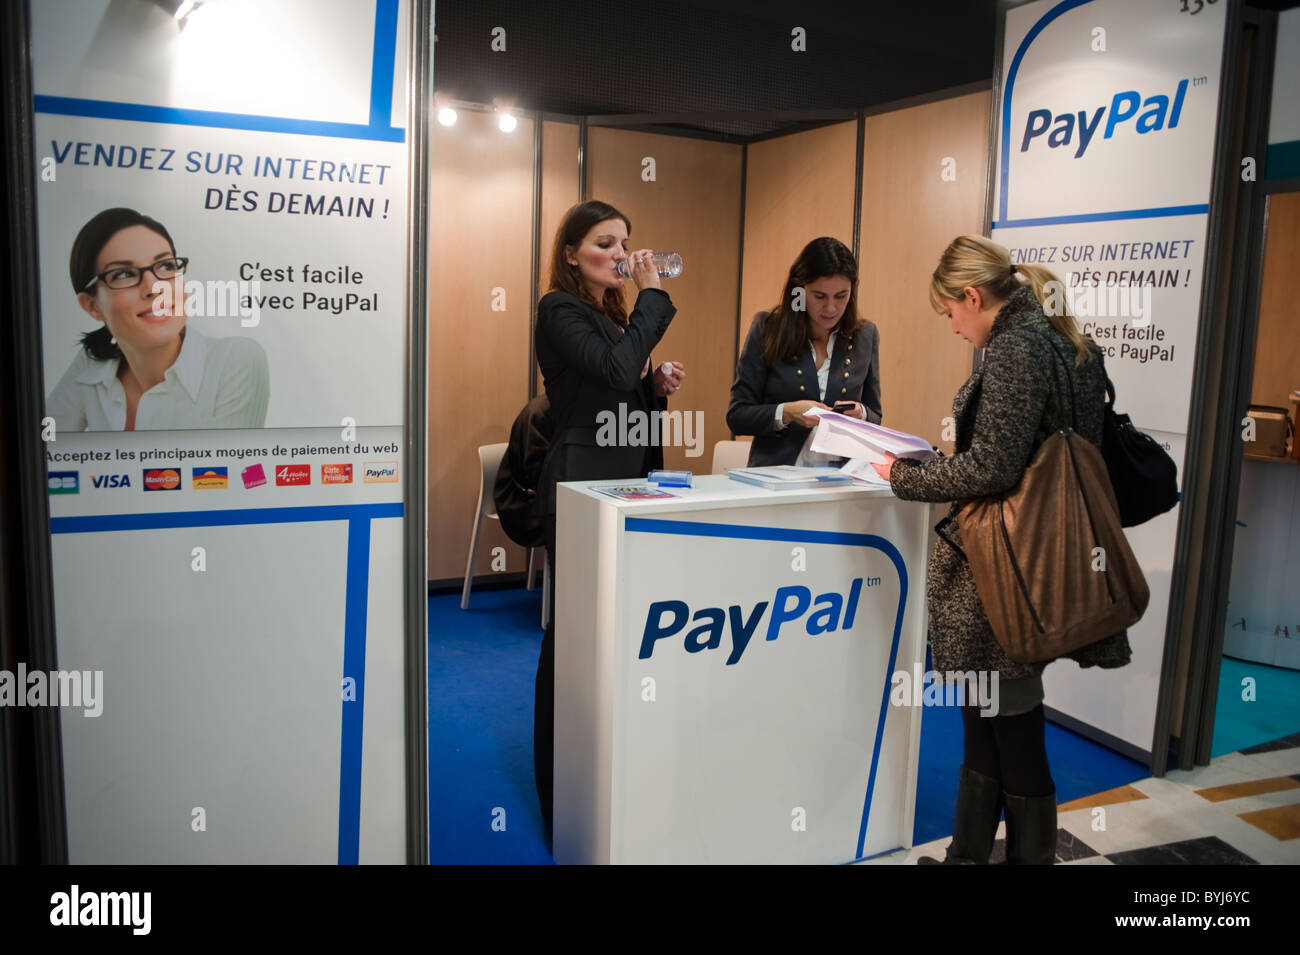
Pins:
x,y
1003,413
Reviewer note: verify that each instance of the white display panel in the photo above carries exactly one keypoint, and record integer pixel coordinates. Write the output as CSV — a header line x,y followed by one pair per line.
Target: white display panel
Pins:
x,y
1119,212
779,746
240,585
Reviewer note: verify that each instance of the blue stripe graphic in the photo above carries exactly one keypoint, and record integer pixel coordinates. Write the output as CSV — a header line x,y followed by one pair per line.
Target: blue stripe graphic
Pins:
x,y
380,128
648,525
1201,209
356,600
354,666
90,524
382,63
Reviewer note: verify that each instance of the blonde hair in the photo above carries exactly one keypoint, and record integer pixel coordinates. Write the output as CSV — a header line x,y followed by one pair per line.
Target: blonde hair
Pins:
x,y
972,260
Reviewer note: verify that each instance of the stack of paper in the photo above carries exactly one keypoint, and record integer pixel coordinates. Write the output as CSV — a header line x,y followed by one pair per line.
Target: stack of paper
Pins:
x,y
782,477
855,439
862,472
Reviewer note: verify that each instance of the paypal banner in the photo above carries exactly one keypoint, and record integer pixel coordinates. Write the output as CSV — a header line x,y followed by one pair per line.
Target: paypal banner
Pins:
x,y
1106,136
1106,123
222,215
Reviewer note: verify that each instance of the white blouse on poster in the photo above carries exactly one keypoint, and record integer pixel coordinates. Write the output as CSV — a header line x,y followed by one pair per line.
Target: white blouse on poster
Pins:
x,y
214,383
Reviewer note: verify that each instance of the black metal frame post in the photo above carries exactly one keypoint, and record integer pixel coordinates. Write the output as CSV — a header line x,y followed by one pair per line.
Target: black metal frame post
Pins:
x,y
415,526
1201,509
33,814
1245,279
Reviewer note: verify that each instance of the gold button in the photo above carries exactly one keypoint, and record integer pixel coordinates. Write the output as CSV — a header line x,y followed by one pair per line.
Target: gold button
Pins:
x,y
846,374
842,391
799,372
801,387
850,348
846,361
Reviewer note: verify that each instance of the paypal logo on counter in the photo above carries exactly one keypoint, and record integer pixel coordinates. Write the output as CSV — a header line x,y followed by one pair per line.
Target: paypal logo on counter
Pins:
x,y
1123,107
825,614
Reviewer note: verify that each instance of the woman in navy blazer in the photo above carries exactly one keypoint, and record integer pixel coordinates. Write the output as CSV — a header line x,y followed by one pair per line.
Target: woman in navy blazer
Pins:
x,y
594,357
811,351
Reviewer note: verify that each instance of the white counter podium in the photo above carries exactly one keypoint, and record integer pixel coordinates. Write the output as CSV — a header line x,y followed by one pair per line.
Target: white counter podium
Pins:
x,y
722,673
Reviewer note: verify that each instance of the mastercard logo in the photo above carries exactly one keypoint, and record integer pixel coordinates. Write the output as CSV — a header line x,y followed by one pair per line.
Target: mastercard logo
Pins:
x,y
162,479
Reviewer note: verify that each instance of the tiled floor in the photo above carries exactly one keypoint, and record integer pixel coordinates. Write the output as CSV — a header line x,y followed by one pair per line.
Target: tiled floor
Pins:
x,y
1242,809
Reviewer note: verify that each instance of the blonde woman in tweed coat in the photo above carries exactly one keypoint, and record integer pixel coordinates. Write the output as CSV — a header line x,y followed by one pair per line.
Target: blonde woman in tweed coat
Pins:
x,y
1003,413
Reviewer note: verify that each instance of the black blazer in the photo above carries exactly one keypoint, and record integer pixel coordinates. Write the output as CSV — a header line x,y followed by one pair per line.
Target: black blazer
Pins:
x,y
589,366
760,387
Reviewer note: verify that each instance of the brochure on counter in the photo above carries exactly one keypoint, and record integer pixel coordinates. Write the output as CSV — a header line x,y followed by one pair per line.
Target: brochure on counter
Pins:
x,y
634,492
788,477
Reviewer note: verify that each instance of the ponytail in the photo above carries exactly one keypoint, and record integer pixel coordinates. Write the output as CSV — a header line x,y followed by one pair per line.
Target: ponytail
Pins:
x,y
972,260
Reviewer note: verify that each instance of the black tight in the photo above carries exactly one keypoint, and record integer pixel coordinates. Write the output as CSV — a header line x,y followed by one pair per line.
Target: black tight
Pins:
x,y
1009,748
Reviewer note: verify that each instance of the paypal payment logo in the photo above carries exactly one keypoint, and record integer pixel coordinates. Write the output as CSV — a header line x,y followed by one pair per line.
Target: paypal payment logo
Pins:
x,y
1123,107
823,614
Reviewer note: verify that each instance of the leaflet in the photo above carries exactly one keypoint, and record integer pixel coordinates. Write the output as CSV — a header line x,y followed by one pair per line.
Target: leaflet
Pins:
x,y
846,437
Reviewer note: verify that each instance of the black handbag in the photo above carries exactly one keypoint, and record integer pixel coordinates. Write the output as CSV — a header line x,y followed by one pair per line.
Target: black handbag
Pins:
x,y
1143,475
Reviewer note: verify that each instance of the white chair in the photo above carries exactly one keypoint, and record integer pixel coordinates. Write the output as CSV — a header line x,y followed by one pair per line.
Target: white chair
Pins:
x,y
489,458
730,454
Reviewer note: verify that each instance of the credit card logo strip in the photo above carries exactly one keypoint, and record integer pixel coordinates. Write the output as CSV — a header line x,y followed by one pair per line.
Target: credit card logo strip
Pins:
x,y
162,479
63,482
381,472
292,475
336,474
209,478
253,476
110,481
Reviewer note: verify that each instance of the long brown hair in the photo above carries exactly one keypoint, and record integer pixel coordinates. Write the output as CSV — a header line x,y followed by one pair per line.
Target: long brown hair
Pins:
x,y
578,221
786,333
972,260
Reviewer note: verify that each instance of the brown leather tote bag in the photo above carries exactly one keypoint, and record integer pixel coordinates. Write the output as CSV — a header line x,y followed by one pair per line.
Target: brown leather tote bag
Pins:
x,y
1051,564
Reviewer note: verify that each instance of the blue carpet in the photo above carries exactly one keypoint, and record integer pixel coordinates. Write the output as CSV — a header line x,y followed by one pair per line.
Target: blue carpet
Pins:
x,y
482,667
1273,713
482,664
1079,768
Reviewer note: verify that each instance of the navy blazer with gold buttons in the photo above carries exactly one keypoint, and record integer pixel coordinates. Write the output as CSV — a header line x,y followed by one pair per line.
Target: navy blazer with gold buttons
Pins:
x,y
760,387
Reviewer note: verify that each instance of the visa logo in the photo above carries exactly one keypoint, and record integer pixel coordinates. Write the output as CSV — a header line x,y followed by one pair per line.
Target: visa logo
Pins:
x,y
1123,107
110,480
829,612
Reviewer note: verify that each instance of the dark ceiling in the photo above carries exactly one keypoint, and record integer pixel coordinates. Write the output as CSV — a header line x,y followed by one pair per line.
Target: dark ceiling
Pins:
x,y
675,60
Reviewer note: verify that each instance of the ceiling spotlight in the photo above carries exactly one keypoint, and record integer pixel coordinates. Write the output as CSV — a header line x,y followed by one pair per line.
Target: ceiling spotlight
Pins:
x,y
447,116
507,123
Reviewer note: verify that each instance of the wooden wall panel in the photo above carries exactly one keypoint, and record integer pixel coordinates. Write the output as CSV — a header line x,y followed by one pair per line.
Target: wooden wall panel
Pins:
x,y
909,215
559,190
693,208
480,216
1277,348
797,188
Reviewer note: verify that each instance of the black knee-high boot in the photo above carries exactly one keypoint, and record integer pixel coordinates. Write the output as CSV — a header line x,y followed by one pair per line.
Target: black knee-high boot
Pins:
x,y
979,807
1031,829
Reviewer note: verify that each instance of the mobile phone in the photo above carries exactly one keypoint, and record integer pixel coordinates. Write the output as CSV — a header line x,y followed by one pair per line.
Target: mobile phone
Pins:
x,y
843,407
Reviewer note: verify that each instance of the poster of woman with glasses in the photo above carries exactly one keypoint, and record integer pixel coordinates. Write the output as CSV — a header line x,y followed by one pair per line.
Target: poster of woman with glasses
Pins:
x,y
142,368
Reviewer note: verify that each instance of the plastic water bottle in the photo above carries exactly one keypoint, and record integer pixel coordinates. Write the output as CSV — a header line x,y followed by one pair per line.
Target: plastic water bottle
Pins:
x,y
669,265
